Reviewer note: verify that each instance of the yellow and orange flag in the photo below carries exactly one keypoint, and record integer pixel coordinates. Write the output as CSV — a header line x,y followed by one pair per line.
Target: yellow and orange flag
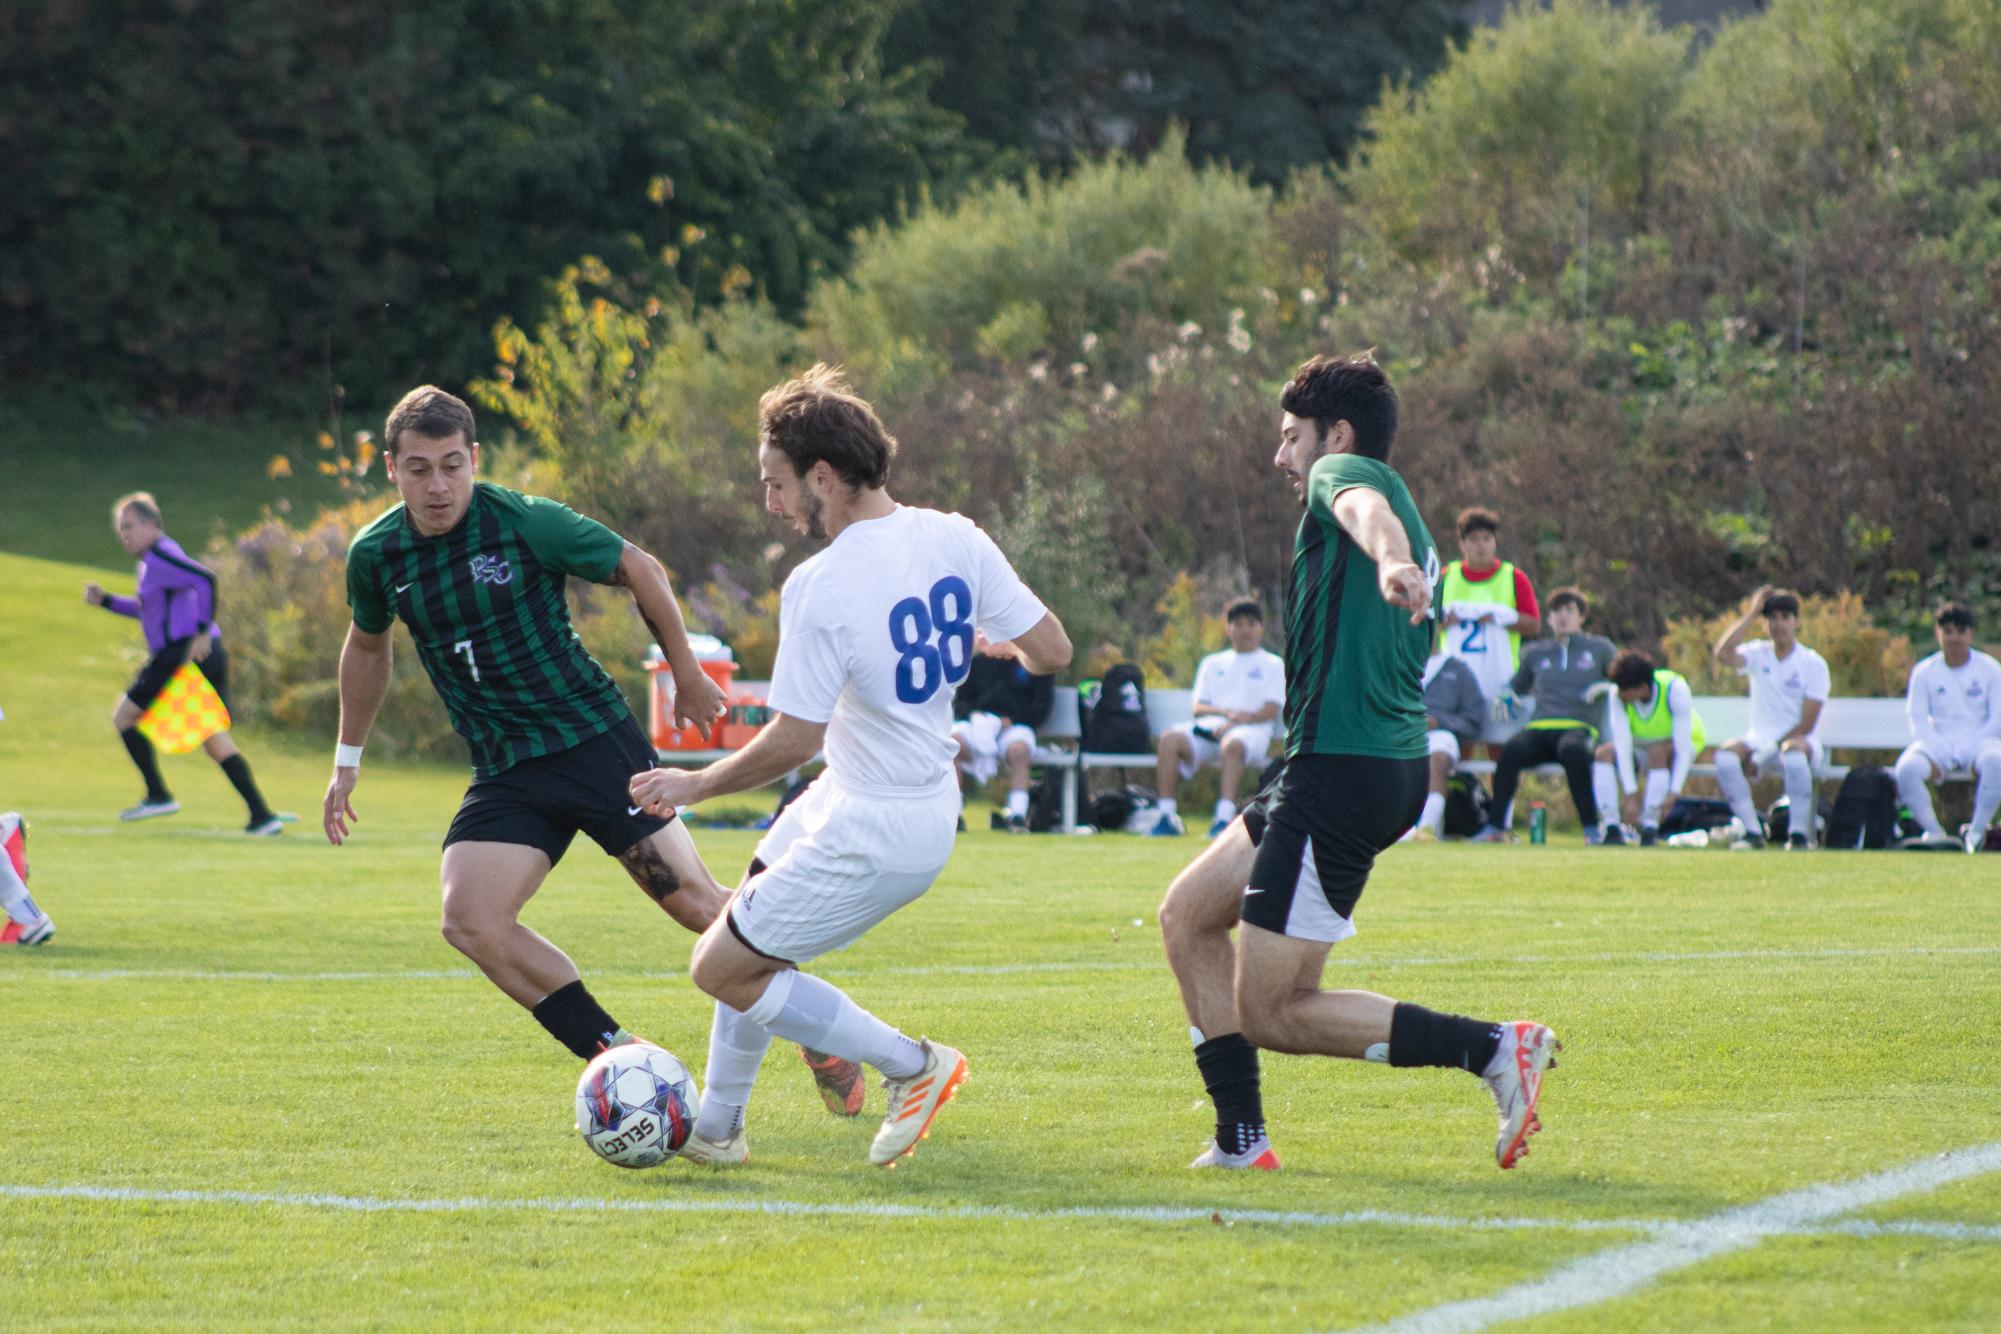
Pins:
x,y
184,714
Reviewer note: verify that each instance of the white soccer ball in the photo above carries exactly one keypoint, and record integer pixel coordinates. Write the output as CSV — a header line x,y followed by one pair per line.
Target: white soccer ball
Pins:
x,y
636,1105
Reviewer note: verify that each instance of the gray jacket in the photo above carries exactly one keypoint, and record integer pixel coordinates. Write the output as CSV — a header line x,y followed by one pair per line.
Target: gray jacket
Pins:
x,y
1558,673
1453,697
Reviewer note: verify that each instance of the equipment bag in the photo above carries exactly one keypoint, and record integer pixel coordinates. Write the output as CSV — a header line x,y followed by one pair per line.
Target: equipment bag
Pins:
x,y
1467,806
1865,810
1113,718
1045,802
1692,813
1111,810
1778,817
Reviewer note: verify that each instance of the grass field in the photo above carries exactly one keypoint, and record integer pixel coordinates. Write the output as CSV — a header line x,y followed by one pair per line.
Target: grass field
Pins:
x,y
249,1086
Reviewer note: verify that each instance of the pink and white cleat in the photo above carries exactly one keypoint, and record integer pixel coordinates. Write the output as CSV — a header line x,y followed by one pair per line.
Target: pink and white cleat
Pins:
x,y
1260,1157
1515,1077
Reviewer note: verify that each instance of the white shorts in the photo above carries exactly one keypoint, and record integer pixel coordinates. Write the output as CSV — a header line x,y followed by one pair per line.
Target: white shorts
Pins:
x,y
839,860
1203,752
987,738
1765,755
1443,743
1961,754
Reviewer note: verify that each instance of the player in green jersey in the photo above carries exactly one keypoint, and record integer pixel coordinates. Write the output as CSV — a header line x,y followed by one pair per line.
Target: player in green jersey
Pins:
x,y
476,572
1288,871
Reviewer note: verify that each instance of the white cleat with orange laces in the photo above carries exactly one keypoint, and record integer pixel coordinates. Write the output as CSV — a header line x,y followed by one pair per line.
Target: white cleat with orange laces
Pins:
x,y
1260,1157
1515,1078
914,1103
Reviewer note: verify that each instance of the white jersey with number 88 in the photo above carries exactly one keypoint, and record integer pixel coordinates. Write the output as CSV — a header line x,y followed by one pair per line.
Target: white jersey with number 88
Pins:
x,y
876,632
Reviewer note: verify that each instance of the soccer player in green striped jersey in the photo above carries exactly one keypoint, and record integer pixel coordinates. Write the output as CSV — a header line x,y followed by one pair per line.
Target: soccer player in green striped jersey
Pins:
x,y
477,572
1288,872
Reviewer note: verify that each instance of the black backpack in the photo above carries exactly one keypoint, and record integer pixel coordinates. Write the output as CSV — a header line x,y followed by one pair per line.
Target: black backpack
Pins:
x,y
1045,802
1467,806
1113,716
1110,810
1779,817
1865,810
1691,813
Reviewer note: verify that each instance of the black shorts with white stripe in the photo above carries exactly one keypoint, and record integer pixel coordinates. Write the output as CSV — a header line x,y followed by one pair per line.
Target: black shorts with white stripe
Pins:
x,y
1322,827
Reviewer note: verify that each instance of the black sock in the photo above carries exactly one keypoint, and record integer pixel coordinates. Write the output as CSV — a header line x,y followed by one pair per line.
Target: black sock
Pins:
x,y
238,770
575,1019
1229,1067
141,751
1425,1037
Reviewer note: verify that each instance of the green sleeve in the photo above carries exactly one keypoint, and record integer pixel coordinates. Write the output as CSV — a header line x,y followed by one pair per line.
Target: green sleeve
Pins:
x,y
371,609
1336,473
565,540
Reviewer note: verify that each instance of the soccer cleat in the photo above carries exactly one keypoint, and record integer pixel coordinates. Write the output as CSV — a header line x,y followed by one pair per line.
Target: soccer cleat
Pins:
x,y
1167,826
1748,843
1489,834
149,809
269,827
840,1083
1424,834
1216,829
1614,836
1973,837
914,1103
1650,835
1798,843
731,1152
1260,1157
38,932
1015,824
1514,1077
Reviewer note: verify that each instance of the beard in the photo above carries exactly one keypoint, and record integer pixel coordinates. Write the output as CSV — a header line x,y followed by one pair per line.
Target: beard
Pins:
x,y
814,511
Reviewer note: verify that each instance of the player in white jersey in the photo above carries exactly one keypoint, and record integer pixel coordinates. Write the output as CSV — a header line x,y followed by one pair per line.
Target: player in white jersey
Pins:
x,y
1789,688
1955,710
874,632
1238,693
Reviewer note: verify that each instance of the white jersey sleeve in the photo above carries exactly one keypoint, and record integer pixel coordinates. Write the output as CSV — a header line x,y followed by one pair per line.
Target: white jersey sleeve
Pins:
x,y
1681,713
1207,673
812,665
1918,708
1004,605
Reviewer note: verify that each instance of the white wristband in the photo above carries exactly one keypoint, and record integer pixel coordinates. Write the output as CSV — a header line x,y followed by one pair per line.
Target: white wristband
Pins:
x,y
346,756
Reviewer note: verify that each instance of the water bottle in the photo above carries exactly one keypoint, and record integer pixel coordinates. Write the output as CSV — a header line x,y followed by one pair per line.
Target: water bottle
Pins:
x,y
1538,823
1691,838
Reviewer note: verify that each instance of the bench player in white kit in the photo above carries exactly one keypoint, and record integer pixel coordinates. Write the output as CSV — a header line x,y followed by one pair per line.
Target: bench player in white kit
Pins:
x,y
873,634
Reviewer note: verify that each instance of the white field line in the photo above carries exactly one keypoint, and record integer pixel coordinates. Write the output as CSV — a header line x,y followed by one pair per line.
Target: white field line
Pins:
x,y
370,1204
1055,967
1615,1273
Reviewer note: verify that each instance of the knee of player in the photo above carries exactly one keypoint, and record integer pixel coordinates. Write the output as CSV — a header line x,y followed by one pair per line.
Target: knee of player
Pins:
x,y
1266,1026
708,967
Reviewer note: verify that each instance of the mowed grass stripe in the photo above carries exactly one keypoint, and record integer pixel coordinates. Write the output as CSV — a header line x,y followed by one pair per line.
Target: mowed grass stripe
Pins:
x,y
1010,969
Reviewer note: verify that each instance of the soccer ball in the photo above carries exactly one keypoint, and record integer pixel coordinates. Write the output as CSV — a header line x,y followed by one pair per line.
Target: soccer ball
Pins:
x,y
636,1105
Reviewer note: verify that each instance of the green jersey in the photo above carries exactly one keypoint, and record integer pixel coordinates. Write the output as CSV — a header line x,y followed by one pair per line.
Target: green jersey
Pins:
x,y
486,610
1354,664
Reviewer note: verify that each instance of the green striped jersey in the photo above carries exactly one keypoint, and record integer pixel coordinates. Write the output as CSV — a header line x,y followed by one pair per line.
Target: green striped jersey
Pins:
x,y
485,607
1354,664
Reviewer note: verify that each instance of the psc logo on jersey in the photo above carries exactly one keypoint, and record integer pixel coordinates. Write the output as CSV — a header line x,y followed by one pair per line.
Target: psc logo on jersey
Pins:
x,y
491,570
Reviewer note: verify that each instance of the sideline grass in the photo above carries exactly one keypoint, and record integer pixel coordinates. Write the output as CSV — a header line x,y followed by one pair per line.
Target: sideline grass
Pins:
x,y
218,1014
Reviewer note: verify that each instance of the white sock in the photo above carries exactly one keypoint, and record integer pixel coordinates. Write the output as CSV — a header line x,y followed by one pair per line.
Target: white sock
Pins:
x,y
1017,803
1799,794
1605,787
817,1014
1655,798
1987,792
736,1049
1226,811
1737,789
1434,812
1168,806
1913,771
14,895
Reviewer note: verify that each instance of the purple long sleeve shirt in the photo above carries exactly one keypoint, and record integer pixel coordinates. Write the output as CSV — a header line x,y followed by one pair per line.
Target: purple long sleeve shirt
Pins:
x,y
176,596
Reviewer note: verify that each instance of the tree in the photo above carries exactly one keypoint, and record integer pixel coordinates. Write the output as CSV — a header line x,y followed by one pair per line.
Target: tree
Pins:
x,y
1264,85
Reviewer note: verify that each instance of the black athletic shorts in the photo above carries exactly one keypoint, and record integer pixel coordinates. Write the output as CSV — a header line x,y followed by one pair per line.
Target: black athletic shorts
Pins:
x,y
544,802
160,669
1326,820
1257,811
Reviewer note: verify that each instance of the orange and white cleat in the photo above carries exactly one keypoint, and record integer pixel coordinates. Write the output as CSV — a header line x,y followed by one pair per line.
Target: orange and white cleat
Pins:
x,y
914,1103
840,1082
1515,1078
731,1152
1260,1157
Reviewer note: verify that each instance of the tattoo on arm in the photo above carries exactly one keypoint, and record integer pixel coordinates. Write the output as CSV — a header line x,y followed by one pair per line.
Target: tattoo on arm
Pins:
x,y
650,871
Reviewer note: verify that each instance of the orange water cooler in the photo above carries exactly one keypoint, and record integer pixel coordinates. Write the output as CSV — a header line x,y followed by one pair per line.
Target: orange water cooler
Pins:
x,y
666,736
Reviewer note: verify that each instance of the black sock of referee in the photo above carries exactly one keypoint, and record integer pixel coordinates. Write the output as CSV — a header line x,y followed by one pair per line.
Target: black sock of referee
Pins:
x,y
1229,1067
1425,1037
575,1019
141,751
238,770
